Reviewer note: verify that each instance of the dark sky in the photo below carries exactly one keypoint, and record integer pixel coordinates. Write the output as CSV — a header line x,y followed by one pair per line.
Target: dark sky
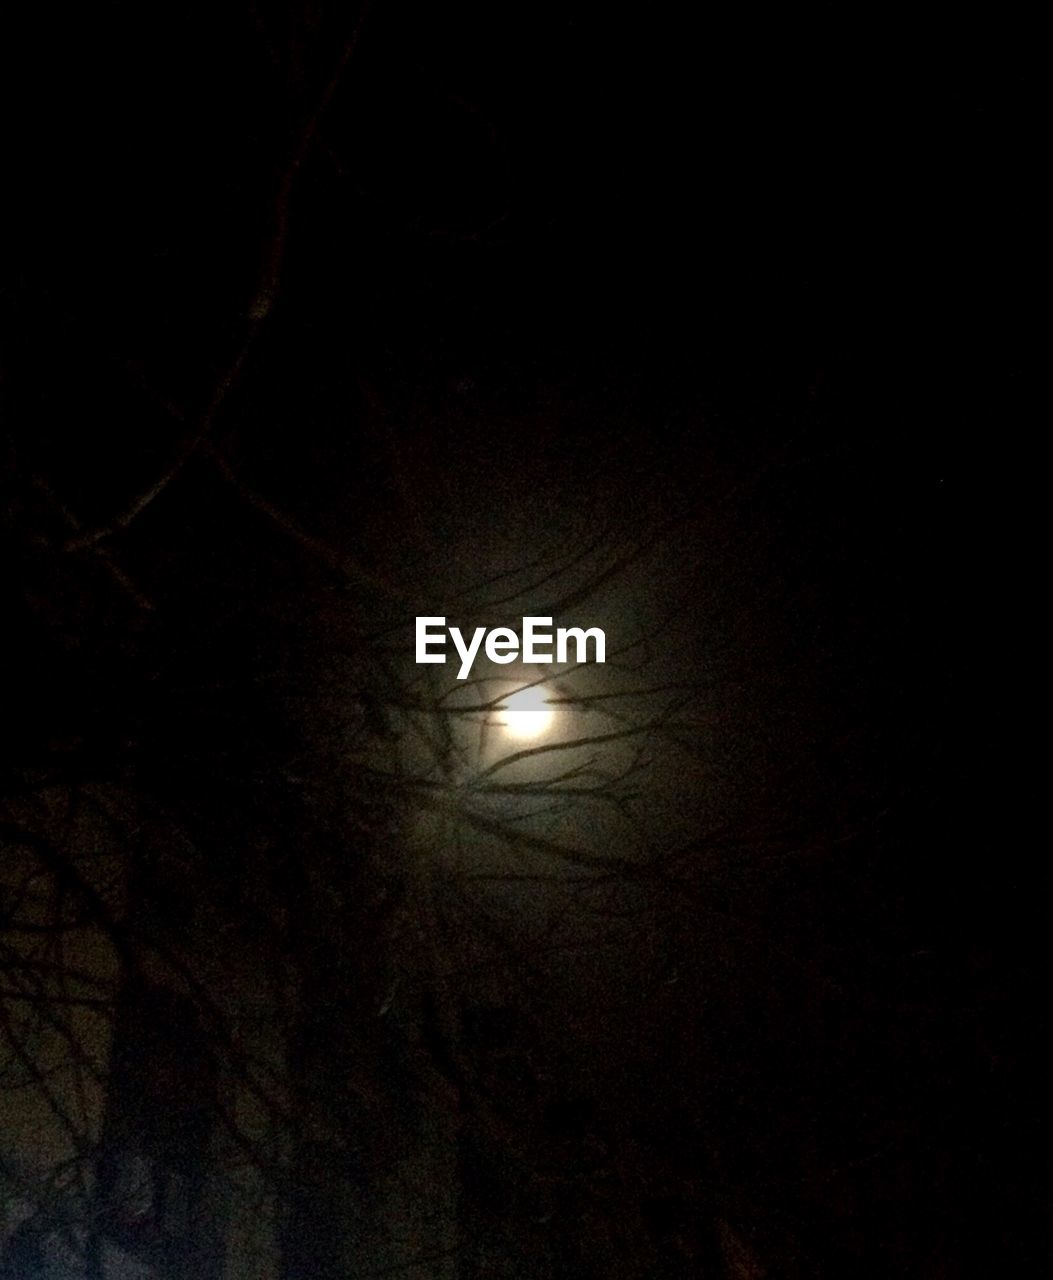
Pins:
x,y
546,269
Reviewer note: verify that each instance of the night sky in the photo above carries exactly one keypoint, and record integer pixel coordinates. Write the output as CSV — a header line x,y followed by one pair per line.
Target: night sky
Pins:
x,y
706,325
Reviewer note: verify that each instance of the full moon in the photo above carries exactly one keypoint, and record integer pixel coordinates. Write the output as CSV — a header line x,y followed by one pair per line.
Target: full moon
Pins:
x,y
526,714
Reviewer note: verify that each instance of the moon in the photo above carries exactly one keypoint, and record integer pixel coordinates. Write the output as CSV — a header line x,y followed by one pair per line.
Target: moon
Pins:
x,y
526,713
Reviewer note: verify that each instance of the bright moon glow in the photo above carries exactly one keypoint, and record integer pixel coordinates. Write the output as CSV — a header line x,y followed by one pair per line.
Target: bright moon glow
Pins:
x,y
526,714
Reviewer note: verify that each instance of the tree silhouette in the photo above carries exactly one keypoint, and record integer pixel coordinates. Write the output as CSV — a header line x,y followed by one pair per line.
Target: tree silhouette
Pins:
x,y
313,962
